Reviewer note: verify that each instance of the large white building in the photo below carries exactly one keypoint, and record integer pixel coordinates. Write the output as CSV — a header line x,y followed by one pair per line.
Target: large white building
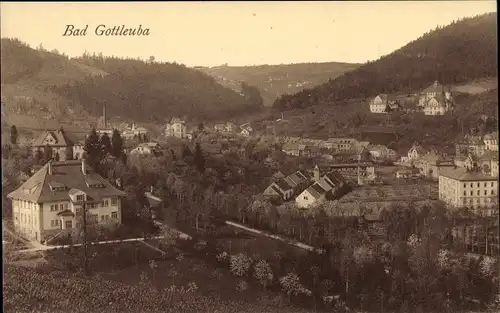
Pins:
x,y
176,128
469,188
491,141
436,100
51,201
382,103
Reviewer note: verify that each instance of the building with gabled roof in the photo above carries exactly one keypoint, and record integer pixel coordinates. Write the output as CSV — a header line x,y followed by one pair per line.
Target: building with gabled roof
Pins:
x,y
382,103
51,200
176,128
58,142
317,192
147,148
280,188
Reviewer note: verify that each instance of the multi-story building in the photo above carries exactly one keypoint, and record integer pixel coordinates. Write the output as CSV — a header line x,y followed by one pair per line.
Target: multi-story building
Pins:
x,y
470,188
176,128
470,144
383,103
436,100
491,141
318,192
53,199
134,132
147,148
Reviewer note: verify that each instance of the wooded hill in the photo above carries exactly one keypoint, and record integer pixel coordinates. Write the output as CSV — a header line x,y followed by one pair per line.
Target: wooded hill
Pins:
x,y
48,84
461,52
276,80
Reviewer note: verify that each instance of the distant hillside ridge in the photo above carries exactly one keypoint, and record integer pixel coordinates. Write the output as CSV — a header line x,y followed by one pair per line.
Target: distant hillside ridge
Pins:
x,y
463,51
276,80
37,83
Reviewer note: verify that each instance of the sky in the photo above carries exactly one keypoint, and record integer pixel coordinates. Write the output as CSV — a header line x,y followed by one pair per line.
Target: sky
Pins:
x,y
238,33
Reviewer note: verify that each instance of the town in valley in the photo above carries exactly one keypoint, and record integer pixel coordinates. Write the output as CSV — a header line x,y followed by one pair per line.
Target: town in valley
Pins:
x,y
139,185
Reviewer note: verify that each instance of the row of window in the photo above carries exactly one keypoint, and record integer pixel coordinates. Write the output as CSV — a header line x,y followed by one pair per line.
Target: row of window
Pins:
x,y
479,193
478,201
25,218
479,185
104,203
58,207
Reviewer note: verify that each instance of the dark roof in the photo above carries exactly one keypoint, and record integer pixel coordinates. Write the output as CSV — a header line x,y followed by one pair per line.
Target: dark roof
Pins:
x,y
463,174
62,138
68,174
283,184
335,177
317,187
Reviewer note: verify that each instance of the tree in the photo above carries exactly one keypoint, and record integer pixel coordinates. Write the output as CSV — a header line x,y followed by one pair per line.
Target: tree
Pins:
x,y
13,135
252,95
263,273
93,150
47,153
152,59
240,264
105,143
116,144
199,159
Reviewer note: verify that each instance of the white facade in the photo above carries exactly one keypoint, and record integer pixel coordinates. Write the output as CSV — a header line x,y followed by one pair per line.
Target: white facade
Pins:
x,y
306,199
176,128
378,105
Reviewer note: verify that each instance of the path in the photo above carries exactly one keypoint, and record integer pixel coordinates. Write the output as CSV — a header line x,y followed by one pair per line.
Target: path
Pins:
x,y
41,247
285,240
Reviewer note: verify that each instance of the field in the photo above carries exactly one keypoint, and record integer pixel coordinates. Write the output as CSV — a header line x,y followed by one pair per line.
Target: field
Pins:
x,y
477,87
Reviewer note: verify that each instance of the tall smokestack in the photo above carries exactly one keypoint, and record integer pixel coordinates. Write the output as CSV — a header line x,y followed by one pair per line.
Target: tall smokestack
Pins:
x,y
83,167
104,120
50,167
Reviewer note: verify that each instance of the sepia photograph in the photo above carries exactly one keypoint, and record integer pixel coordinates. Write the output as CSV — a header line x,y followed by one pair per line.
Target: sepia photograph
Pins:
x,y
250,157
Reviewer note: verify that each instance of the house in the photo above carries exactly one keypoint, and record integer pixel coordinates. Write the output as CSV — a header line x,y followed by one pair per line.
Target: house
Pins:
x,y
176,128
382,103
432,163
231,127
245,132
470,143
53,199
469,187
318,192
487,162
436,100
220,128
57,142
341,144
491,141
407,173
380,152
415,152
247,127
147,148
134,132
280,188
297,178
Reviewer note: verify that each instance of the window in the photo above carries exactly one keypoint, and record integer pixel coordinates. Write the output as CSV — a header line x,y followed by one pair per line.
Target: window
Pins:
x,y
79,211
478,193
493,192
485,184
61,206
94,218
478,185
465,185
66,206
79,198
68,224
471,193
465,193
52,208
491,184
114,201
102,218
114,215
485,192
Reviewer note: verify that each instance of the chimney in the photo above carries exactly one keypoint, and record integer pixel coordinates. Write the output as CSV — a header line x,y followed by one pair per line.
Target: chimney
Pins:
x,y
83,167
104,120
50,167
316,173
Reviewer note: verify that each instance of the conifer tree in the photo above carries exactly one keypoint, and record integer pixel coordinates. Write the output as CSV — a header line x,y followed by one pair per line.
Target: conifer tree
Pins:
x,y
116,144
92,148
199,159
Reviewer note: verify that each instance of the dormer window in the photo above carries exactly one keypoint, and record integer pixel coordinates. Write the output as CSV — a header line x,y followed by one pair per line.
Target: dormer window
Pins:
x,y
55,186
79,198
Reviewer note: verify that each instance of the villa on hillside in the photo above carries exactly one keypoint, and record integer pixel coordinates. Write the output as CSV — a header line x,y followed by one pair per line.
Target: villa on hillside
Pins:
x,y
491,141
383,103
51,201
436,100
147,148
134,132
177,128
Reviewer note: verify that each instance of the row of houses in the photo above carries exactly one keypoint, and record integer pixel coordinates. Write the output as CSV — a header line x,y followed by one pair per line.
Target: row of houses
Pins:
x,y
434,100
307,190
477,144
179,128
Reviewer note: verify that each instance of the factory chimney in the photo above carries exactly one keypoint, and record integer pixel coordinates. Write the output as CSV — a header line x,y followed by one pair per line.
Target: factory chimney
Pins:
x,y
104,120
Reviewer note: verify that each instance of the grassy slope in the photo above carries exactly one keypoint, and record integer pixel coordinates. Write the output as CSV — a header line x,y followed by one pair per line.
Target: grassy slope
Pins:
x,y
274,80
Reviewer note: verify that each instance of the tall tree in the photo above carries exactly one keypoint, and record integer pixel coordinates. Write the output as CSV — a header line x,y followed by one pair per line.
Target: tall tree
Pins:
x,y
105,145
13,135
116,144
199,159
92,148
47,153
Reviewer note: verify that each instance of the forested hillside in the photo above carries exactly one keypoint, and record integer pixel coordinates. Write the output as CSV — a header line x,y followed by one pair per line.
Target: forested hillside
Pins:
x,y
276,80
49,85
151,91
463,51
